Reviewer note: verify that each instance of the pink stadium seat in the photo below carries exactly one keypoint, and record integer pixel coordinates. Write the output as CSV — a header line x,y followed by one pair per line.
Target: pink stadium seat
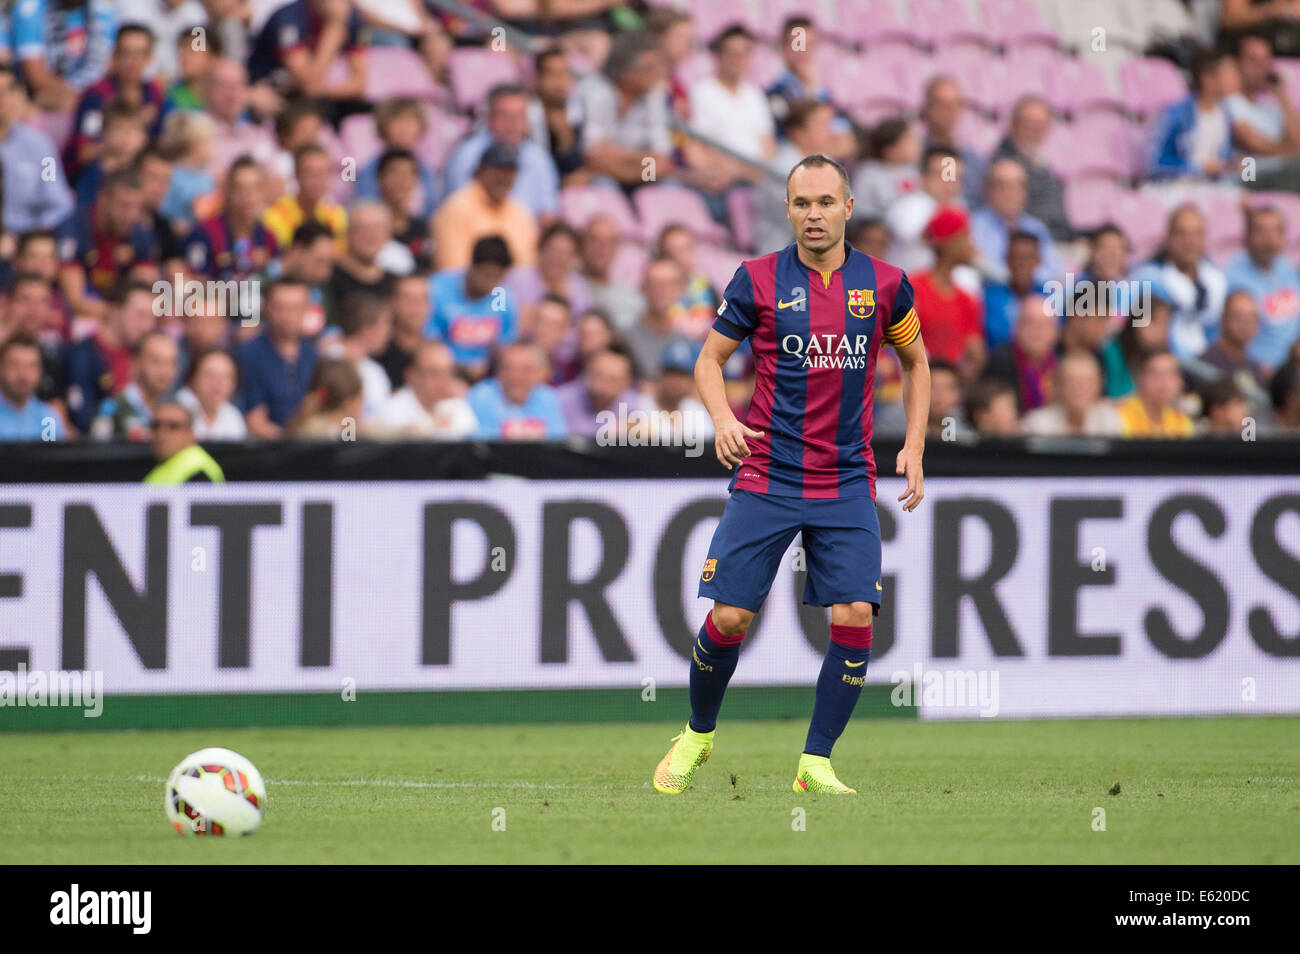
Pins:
x,y
359,137
1075,85
1092,147
579,204
657,205
629,263
712,18
1149,84
992,84
473,71
396,71
1143,218
1017,23
979,132
742,216
445,130
1289,67
948,23
1088,204
718,263
872,23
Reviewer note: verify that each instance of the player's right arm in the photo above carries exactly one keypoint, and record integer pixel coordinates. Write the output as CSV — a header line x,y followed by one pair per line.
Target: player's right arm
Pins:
x,y
737,318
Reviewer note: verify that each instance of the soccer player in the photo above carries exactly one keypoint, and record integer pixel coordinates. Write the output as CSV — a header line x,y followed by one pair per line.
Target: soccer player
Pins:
x,y
817,312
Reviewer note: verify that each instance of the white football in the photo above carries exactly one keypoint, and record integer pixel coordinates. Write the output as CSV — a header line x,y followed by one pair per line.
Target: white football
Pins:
x,y
215,792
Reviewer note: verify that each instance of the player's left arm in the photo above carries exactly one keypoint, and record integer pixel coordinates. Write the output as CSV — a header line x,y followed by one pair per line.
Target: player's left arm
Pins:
x,y
903,332
916,402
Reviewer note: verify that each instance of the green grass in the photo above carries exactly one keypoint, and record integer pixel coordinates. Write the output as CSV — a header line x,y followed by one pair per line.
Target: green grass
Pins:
x,y
1191,791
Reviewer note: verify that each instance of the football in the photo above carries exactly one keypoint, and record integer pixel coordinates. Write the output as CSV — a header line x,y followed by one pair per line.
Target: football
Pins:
x,y
215,792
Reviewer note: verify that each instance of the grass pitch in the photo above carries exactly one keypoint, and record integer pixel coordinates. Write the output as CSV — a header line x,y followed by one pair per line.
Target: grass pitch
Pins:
x,y
1202,791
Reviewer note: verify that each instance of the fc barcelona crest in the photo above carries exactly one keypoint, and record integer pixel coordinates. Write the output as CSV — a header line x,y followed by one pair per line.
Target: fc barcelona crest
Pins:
x,y
709,567
862,302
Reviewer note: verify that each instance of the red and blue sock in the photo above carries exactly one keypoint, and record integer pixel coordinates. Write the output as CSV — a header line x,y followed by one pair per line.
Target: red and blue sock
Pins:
x,y
713,660
838,686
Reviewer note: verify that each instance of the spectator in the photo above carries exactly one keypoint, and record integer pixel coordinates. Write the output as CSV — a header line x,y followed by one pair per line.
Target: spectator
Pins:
x,y
432,404
26,156
227,98
298,124
175,447
1088,328
1284,390
699,302
603,392
732,111
1275,20
154,170
1229,356
1003,300
682,418
1108,255
310,260
170,22
870,236
296,48
37,254
410,307
807,133
664,285
472,312
1121,354
889,172
1025,142
331,407
314,173
359,270
940,187
24,416
555,273
62,48
398,179
1193,137
129,415
947,420
1262,269
536,183
190,62
1193,283
484,207
234,243
1225,409
402,126
99,365
673,32
125,81
1151,411
801,82
208,329
208,395
1264,120
1006,193
276,366
617,298
1077,408
626,113
952,322
514,404
555,119
991,408
367,327
1028,360
595,332
942,110
27,310
188,136
554,334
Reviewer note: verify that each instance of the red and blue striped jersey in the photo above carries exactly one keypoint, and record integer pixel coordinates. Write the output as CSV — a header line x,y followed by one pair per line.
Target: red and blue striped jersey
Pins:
x,y
815,337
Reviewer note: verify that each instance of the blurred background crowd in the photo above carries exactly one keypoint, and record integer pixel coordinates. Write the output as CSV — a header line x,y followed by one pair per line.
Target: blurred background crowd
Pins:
x,y
392,218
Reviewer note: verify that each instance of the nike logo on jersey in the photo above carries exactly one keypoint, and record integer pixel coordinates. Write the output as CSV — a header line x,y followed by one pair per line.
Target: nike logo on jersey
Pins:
x,y
856,664
798,301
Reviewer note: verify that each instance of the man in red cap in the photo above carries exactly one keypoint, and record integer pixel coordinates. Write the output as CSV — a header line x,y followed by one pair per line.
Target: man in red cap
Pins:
x,y
952,319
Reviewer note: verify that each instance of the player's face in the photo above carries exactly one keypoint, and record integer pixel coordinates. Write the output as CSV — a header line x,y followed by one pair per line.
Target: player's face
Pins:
x,y
818,208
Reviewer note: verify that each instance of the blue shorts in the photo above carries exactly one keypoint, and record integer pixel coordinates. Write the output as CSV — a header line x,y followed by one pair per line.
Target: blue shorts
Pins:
x,y
841,542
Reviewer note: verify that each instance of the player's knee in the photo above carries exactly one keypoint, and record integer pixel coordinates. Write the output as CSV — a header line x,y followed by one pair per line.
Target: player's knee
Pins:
x,y
852,614
731,620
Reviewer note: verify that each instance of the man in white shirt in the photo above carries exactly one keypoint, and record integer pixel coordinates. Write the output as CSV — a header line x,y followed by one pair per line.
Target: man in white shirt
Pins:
x,y
429,406
1263,119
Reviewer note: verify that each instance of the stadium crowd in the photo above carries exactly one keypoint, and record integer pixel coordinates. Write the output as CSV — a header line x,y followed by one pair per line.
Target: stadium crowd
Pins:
x,y
325,218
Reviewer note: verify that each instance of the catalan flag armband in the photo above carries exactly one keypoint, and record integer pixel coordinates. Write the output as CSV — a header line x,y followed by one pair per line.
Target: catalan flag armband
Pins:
x,y
904,331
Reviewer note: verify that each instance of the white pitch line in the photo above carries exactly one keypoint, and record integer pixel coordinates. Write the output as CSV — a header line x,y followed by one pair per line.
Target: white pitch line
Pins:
x,y
349,783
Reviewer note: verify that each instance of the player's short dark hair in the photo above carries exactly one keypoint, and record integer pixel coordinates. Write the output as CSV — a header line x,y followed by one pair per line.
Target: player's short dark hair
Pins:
x,y
730,32
816,161
491,250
